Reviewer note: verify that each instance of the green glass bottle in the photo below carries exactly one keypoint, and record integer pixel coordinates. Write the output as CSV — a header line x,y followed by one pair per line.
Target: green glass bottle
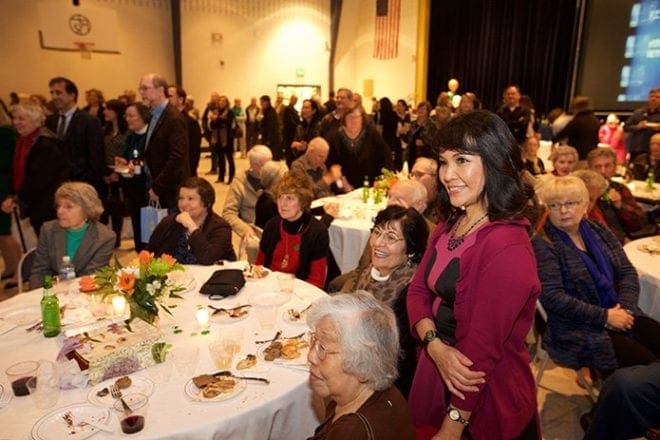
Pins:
x,y
365,189
50,310
650,178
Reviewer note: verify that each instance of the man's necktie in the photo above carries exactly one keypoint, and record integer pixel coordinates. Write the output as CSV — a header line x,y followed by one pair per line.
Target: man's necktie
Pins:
x,y
61,127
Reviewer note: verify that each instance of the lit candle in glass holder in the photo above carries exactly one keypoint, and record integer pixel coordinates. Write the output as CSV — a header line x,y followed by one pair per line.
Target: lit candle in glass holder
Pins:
x,y
119,305
202,316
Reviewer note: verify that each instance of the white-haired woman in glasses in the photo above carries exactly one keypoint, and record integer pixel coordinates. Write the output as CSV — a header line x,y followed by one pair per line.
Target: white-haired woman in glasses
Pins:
x,y
353,354
590,288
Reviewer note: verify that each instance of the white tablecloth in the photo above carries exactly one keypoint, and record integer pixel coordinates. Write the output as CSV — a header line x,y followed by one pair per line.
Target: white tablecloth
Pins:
x,y
648,268
281,410
350,231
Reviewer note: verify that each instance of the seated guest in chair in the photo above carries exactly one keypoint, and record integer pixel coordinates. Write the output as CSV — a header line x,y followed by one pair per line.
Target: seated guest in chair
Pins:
x,y
195,234
77,233
266,207
624,215
353,354
294,241
397,243
563,158
312,163
649,162
425,171
590,288
405,193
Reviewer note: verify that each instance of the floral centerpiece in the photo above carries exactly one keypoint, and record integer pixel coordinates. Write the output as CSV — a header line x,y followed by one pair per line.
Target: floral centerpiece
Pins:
x,y
144,283
386,180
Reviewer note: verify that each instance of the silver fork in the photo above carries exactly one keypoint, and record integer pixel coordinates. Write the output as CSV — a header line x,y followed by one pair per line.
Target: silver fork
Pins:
x,y
116,393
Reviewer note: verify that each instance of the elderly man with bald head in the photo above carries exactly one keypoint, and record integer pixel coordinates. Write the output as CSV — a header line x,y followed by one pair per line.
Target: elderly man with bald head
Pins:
x,y
312,163
406,193
425,171
166,148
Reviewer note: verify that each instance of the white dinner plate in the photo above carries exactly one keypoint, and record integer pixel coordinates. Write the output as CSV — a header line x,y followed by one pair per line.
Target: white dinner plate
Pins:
x,y
5,394
197,395
183,279
52,426
139,384
77,315
223,318
265,271
23,316
299,361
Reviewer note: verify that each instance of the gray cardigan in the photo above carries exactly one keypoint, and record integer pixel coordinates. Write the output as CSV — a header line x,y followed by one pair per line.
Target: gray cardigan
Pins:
x,y
94,251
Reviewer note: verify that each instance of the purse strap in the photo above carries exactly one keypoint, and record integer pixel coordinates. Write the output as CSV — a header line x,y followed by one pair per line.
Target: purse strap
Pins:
x,y
154,204
367,426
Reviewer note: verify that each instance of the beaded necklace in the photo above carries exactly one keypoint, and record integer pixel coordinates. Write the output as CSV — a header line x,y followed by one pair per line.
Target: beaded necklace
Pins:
x,y
455,241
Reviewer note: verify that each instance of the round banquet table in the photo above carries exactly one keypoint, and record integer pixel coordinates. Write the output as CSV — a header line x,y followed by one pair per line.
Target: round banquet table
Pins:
x,y
280,410
350,231
648,268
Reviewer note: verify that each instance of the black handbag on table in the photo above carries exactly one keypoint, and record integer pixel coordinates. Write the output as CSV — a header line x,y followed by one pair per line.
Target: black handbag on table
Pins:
x,y
223,283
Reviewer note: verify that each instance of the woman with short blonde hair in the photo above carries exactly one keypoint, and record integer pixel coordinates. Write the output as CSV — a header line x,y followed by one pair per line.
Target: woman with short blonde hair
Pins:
x,y
563,158
76,233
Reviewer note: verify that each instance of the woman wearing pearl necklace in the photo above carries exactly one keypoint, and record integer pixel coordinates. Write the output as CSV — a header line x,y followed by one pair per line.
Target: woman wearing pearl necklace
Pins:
x,y
473,297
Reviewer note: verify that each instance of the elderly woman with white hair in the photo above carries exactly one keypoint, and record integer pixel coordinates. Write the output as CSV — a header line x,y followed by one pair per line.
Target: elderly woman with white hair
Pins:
x,y
39,166
354,347
590,288
77,233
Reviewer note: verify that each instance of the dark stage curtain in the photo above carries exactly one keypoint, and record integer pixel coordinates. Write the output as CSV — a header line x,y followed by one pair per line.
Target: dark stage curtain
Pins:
x,y
489,44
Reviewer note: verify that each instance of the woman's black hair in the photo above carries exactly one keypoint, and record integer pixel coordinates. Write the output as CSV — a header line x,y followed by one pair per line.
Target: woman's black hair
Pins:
x,y
119,108
403,103
484,134
385,104
204,189
413,225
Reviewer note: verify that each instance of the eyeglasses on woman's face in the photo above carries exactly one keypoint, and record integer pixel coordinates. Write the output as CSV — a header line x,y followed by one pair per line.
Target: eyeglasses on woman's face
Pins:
x,y
569,204
388,236
319,349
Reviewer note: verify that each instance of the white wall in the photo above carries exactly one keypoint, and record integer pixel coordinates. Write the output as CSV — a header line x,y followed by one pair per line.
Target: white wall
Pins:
x,y
144,38
354,60
263,43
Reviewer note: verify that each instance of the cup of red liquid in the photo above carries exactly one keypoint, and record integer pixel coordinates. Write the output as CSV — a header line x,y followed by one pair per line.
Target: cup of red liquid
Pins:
x,y
20,374
132,421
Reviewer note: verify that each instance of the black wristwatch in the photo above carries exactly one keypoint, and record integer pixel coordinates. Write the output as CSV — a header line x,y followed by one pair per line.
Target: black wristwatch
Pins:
x,y
429,336
455,416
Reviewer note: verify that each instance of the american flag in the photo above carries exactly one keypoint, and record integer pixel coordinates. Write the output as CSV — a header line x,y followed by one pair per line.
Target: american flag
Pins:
x,y
386,34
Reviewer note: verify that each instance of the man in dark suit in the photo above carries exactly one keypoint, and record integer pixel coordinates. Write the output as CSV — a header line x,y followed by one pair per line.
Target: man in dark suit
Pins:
x,y
269,129
81,135
166,148
177,97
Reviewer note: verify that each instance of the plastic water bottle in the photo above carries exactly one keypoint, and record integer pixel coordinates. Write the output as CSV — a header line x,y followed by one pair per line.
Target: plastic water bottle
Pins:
x,y
50,310
67,275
